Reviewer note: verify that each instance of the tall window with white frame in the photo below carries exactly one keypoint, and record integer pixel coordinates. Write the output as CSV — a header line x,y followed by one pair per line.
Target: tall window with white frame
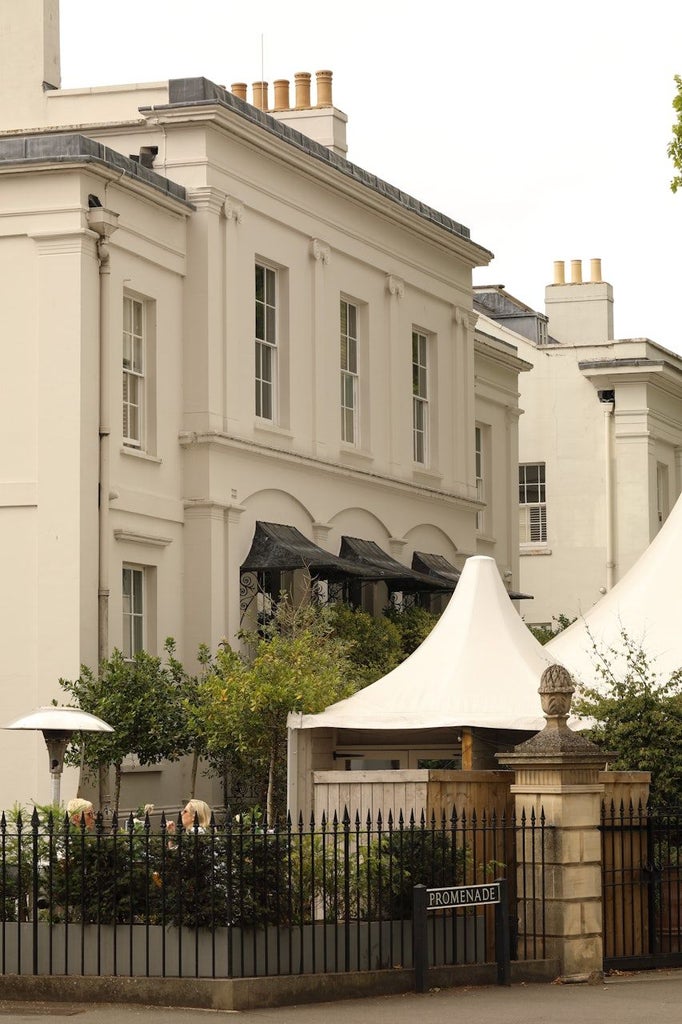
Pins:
x,y
480,494
266,341
420,398
133,371
349,372
133,611
532,503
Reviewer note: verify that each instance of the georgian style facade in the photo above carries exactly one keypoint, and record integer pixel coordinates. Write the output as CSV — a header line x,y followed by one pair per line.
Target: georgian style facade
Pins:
x,y
600,441
213,320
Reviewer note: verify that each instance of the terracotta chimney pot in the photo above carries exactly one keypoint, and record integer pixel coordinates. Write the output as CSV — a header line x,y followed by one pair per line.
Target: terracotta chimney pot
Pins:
x,y
302,80
576,271
324,88
281,94
260,95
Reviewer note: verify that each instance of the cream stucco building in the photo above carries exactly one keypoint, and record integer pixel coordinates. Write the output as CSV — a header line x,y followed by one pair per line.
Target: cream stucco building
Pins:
x,y
600,440
211,319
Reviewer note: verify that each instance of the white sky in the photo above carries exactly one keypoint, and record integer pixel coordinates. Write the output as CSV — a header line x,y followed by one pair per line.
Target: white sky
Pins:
x,y
540,125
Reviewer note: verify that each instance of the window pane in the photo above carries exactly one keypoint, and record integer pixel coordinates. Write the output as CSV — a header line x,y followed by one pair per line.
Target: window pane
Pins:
x,y
352,355
270,287
343,316
127,315
137,355
352,317
344,352
270,324
260,321
137,319
260,284
266,362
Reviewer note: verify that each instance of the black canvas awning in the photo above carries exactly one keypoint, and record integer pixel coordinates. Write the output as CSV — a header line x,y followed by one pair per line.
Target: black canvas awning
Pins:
x,y
368,555
285,549
445,572
436,566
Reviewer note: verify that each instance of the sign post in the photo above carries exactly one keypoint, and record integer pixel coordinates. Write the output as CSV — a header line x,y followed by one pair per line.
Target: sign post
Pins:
x,y
454,897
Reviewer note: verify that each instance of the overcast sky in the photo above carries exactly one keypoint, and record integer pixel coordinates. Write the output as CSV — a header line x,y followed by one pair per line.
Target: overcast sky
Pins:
x,y
540,125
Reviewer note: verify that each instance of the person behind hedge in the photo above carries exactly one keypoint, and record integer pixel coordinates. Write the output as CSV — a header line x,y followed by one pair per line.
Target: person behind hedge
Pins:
x,y
80,811
195,813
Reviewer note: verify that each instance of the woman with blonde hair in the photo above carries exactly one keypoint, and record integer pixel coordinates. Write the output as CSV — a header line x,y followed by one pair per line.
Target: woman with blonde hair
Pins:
x,y
195,815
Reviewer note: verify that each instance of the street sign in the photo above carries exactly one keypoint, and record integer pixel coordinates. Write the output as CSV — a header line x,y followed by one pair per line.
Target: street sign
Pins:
x,y
453,897
462,896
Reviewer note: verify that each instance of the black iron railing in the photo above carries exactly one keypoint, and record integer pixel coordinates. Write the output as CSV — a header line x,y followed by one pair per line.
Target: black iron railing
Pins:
x,y
245,899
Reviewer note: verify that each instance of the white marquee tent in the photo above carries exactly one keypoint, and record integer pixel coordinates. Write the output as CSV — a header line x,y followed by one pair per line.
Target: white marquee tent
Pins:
x,y
480,667
646,604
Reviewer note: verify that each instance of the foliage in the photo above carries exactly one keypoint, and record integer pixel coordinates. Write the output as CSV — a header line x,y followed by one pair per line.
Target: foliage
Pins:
x,y
297,664
24,842
637,715
415,624
142,700
375,644
543,634
675,144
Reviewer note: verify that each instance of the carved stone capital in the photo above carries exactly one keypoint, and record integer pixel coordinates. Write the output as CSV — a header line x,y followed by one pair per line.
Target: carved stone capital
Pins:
x,y
319,251
233,209
395,285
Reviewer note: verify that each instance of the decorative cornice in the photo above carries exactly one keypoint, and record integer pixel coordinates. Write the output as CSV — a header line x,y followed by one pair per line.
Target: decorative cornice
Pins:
x,y
233,209
207,197
319,250
64,243
395,285
142,538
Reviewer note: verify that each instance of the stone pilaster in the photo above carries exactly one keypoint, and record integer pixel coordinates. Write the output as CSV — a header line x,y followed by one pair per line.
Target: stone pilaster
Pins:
x,y
557,774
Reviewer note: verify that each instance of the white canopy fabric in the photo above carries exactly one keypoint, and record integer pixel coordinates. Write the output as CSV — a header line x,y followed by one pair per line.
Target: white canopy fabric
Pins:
x,y
479,666
646,604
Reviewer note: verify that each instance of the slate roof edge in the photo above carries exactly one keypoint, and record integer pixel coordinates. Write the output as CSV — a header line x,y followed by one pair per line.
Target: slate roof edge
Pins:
x,y
193,92
75,148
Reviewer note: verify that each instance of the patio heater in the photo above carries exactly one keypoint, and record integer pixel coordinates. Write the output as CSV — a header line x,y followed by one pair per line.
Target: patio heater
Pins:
x,y
58,724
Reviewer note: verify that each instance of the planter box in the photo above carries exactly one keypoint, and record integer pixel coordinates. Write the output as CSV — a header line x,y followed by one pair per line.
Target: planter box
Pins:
x,y
153,951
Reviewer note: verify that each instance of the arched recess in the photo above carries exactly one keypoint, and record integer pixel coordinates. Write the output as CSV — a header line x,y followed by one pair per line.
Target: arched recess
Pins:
x,y
272,505
430,538
357,522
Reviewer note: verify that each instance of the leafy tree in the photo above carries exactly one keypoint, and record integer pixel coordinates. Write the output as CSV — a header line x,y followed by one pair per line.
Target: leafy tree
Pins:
x,y
638,716
142,700
543,634
414,623
375,644
675,144
297,664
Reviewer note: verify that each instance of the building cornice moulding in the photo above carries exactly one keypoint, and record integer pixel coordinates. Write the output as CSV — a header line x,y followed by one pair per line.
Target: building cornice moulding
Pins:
x,y
133,537
228,121
221,442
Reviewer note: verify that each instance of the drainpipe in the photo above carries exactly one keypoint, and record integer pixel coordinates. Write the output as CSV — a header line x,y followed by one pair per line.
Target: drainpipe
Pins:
x,y
607,397
104,222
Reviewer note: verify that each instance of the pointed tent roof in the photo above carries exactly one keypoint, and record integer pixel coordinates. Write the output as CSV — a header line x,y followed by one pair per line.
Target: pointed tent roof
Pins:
x,y
479,666
646,604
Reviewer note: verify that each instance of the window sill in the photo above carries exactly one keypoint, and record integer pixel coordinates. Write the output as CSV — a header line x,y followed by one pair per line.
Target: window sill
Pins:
x,y
137,453
485,538
349,451
270,427
531,549
421,474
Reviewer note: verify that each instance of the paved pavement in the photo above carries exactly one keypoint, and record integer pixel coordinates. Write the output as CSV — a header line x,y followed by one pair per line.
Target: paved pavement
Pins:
x,y
626,999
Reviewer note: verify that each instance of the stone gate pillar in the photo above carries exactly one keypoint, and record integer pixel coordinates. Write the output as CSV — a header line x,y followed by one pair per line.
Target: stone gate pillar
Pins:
x,y
557,771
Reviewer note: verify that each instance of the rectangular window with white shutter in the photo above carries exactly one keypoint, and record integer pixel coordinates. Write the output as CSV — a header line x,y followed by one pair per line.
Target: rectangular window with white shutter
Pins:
x,y
532,504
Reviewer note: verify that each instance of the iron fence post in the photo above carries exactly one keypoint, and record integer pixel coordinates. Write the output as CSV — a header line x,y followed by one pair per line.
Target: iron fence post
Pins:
x,y
420,948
